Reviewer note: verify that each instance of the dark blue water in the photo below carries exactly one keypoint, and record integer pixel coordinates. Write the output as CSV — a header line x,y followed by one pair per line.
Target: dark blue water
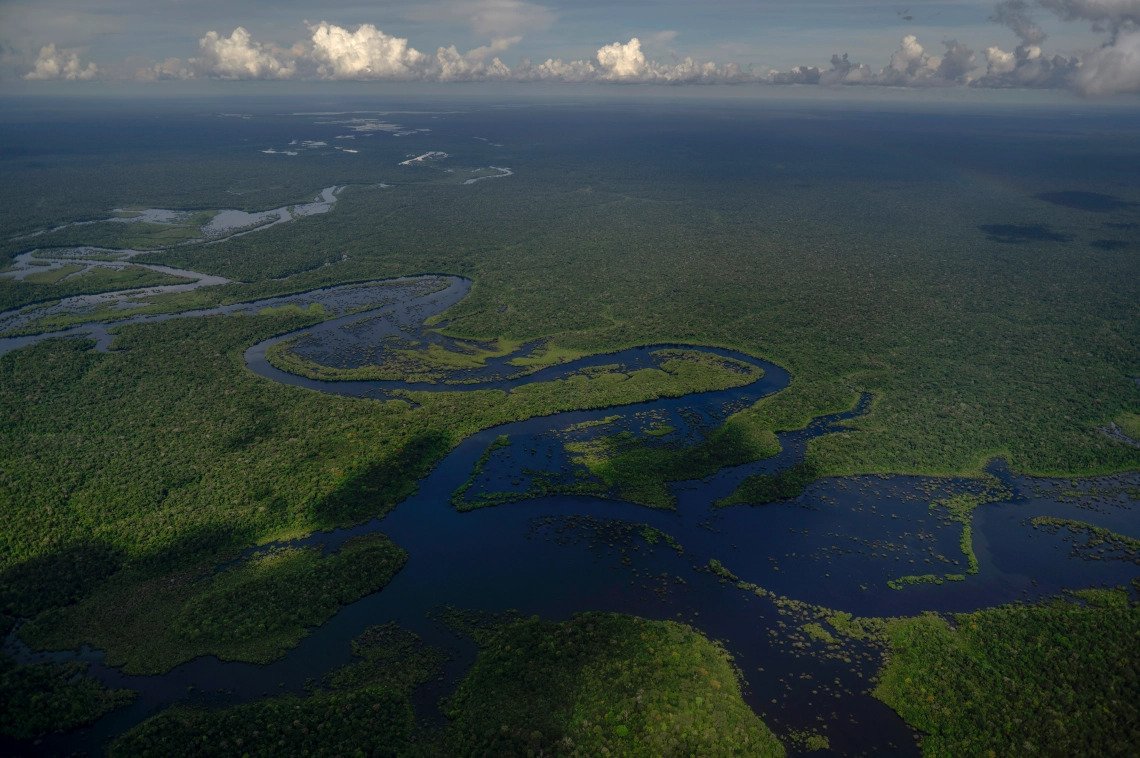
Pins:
x,y
837,545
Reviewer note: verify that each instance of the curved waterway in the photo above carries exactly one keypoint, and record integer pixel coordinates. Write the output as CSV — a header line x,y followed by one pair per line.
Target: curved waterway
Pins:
x,y
223,225
837,545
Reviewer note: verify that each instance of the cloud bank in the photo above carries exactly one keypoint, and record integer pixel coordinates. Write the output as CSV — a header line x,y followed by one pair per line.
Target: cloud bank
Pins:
x,y
60,64
239,57
333,52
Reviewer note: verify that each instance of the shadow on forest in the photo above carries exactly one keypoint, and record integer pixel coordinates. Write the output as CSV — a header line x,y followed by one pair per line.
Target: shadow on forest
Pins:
x,y
1019,234
378,487
56,579
67,575
1110,244
1085,201
73,572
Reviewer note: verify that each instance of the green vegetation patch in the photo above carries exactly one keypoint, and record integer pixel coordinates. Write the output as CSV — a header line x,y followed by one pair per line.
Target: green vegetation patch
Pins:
x,y
1099,540
165,456
254,611
433,363
809,741
760,489
960,508
639,472
51,285
127,235
602,684
1129,423
1058,678
49,697
361,709
458,498
53,275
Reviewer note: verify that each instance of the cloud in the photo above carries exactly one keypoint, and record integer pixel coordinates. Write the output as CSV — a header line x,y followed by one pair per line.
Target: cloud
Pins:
x,y
60,64
451,66
366,53
622,60
626,62
488,18
1015,14
239,57
498,45
999,62
797,75
910,58
845,71
1113,11
554,70
909,66
661,39
171,68
958,62
1113,68
1027,67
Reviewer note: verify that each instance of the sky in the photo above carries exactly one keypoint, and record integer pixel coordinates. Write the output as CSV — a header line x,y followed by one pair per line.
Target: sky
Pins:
x,y
1091,47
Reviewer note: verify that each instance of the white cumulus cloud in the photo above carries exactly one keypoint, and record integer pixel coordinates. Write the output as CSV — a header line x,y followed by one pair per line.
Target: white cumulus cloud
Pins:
x,y
622,60
240,57
999,61
367,53
452,66
60,64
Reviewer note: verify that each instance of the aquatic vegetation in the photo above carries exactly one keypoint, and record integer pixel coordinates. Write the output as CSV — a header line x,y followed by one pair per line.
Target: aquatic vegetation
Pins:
x,y
639,472
50,697
809,618
817,632
903,581
1098,537
960,508
618,535
591,424
652,536
1058,677
809,741
602,683
458,497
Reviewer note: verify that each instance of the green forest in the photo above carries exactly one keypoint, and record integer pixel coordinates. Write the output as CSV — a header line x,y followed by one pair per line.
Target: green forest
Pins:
x,y
143,488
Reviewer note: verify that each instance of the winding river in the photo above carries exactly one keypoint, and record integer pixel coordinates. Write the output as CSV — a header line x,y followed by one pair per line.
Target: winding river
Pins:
x,y
836,545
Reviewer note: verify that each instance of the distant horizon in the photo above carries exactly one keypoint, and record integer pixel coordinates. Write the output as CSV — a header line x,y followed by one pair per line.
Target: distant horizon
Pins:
x,y
839,96
1088,46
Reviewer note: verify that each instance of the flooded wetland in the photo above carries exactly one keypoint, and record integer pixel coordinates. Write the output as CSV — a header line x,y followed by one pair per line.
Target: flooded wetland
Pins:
x,y
380,448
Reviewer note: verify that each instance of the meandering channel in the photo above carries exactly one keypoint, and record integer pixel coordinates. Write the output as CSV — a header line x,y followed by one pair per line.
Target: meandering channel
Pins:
x,y
836,546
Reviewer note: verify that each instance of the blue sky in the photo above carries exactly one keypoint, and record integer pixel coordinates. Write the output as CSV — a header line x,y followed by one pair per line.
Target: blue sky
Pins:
x,y
778,33
122,37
